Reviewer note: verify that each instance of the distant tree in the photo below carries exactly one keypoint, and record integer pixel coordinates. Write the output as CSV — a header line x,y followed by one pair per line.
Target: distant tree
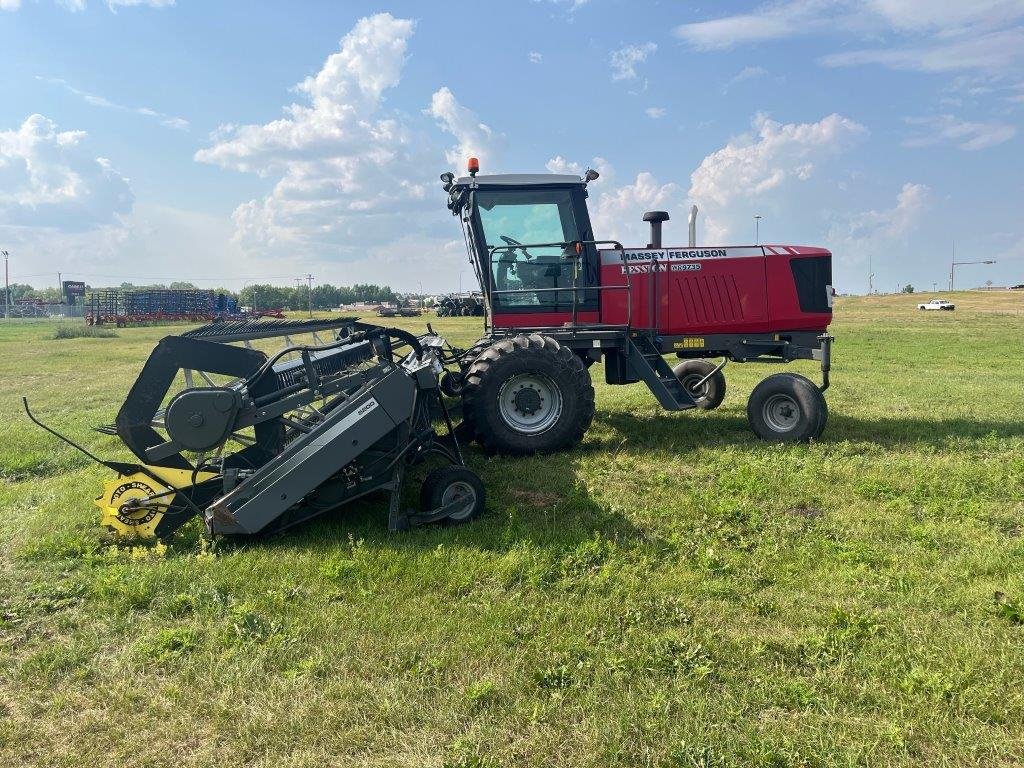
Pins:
x,y
181,285
908,288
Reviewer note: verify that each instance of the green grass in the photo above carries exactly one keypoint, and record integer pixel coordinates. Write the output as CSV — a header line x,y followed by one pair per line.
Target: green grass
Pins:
x,y
82,331
671,593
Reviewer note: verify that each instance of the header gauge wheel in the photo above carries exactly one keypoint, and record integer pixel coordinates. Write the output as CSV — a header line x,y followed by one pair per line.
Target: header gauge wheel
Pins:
x,y
453,485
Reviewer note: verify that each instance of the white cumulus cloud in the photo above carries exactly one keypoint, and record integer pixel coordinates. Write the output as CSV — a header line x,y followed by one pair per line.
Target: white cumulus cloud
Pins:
x,y
475,139
853,238
49,180
750,166
618,213
625,60
337,160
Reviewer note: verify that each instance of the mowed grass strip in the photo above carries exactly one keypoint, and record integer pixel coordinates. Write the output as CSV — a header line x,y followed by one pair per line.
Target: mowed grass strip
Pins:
x,y
672,593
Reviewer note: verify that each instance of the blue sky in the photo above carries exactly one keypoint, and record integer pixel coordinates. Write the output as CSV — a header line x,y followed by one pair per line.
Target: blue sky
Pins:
x,y
226,142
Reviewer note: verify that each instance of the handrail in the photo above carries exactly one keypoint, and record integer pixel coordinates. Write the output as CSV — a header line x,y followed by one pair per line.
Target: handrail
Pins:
x,y
628,287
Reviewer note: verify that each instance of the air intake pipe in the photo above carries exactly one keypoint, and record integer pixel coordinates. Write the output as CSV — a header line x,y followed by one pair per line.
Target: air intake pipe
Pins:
x,y
693,226
656,218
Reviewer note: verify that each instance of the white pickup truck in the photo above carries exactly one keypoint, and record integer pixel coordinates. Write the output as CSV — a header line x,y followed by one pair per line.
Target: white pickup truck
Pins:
x,y
938,304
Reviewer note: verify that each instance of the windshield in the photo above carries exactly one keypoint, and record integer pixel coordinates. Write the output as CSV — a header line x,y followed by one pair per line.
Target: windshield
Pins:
x,y
515,218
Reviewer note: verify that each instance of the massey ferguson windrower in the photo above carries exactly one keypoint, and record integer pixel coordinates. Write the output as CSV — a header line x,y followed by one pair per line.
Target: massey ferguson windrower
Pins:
x,y
559,299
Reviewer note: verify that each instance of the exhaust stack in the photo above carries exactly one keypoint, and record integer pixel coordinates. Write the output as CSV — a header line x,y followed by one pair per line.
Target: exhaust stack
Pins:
x,y
693,226
655,218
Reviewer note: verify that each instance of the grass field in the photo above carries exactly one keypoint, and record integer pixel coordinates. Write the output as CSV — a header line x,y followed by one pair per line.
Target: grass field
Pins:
x,y
671,593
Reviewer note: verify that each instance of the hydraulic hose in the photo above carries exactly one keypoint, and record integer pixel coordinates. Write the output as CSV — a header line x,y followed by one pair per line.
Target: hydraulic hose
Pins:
x,y
407,337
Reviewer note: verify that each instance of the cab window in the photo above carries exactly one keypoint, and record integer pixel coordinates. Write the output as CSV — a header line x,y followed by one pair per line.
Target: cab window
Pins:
x,y
514,221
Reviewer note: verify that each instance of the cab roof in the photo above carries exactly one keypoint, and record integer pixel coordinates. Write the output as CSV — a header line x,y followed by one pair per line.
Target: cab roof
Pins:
x,y
520,179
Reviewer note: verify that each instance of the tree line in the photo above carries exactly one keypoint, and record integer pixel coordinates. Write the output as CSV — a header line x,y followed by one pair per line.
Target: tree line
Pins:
x,y
260,296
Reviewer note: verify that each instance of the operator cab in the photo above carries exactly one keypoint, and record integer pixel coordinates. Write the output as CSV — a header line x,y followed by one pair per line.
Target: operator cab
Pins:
x,y
522,230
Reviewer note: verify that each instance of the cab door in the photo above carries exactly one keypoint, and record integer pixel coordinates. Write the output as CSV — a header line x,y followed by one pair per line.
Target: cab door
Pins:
x,y
530,274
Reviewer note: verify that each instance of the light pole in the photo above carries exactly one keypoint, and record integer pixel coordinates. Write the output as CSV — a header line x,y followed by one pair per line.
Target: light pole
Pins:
x,y
954,264
309,293
757,228
7,287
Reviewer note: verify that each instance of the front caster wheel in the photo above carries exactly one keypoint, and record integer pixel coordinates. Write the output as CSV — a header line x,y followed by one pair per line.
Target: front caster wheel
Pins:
x,y
787,408
708,395
453,484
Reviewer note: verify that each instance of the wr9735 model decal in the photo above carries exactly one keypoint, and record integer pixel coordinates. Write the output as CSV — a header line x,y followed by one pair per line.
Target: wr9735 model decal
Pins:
x,y
641,269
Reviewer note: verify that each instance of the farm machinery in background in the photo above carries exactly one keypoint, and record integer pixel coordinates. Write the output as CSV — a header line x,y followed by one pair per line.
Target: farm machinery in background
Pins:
x,y
122,307
401,309
255,442
461,305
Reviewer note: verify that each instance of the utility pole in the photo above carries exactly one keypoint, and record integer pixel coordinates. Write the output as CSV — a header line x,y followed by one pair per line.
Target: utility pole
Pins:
x,y
952,263
871,277
757,228
7,287
309,293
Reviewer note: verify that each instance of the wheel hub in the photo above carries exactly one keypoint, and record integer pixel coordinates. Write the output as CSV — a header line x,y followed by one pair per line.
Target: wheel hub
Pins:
x,y
781,412
690,384
459,492
527,400
530,403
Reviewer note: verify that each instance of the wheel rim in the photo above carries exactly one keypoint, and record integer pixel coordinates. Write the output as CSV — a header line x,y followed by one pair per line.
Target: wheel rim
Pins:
x,y
530,403
459,491
781,413
690,385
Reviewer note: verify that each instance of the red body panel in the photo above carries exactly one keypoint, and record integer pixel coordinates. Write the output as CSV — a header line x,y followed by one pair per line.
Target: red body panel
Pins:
x,y
746,289
542,319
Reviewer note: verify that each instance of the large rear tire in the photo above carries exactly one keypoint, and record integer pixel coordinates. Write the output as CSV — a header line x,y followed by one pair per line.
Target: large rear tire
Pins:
x,y
711,393
528,394
787,408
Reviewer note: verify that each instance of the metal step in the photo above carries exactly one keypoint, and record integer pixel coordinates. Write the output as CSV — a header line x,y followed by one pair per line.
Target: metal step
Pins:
x,y
652,369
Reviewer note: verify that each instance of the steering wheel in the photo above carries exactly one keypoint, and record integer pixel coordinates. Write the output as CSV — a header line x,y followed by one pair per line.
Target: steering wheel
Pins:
x,y
515,243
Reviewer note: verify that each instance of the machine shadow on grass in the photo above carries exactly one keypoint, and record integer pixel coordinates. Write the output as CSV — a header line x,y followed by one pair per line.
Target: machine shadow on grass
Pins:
x,y
542,500
538,499
665,434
